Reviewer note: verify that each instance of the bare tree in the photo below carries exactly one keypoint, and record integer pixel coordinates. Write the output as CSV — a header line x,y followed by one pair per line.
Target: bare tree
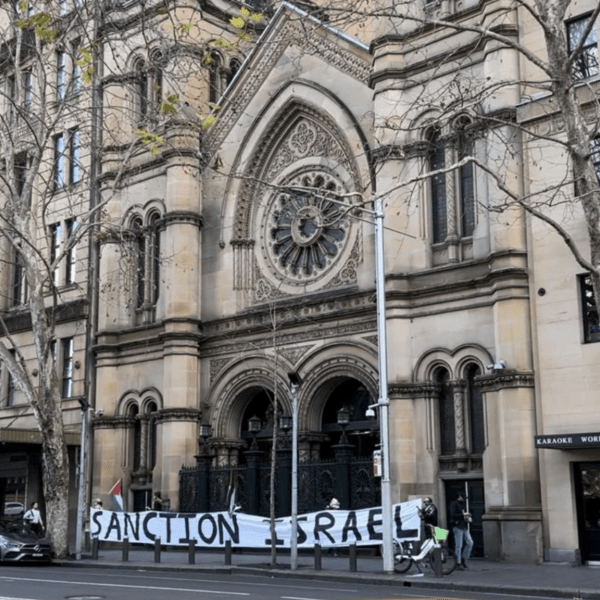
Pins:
x,y
546,57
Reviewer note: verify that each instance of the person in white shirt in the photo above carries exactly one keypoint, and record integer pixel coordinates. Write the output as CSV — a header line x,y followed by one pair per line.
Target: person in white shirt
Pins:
x,y
33,518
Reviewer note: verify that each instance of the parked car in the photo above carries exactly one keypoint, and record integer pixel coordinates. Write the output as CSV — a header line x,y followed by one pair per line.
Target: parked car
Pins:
x,y
13,509
19,543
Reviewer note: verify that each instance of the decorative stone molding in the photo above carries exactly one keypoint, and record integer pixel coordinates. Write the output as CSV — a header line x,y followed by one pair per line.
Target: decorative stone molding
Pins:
x,y
372,339
243,264
414,390
294,354
326,143
302,336
387,152
333,304
307,138
216,365
184,217
292,32
460,464
504,380
178,414
113,422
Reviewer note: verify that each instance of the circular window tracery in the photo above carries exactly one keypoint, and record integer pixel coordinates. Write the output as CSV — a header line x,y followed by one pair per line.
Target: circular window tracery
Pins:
x,y
306,226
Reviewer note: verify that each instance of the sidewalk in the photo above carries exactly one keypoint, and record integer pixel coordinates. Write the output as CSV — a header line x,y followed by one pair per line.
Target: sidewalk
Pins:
x,y
549,580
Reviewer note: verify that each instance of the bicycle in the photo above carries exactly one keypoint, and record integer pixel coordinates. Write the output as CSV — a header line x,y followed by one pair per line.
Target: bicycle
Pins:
x,y
404,557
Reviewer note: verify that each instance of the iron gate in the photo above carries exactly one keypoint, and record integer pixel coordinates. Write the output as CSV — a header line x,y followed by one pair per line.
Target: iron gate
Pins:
x,y
207,488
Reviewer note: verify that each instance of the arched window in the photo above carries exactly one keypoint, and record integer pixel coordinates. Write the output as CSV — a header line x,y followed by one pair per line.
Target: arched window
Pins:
x,y
151,409
136,437
149,86
155,81
234,67
147,260
141,84
475,403
436,158
214,78
466,181
446,412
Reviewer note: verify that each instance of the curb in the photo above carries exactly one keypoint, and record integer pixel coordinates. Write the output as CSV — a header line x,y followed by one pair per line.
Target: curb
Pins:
x,y
373,578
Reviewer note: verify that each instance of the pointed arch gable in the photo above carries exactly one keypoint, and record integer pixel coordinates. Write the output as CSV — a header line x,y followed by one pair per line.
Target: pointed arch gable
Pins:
x,y
294,101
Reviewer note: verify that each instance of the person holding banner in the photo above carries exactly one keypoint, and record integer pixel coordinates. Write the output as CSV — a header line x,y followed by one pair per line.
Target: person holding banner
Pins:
x,y
460,519
429,515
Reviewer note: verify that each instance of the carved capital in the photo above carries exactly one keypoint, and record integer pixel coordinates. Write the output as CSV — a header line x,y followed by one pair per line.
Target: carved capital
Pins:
x,y
179,217
499,381
178,414
113,422
414,390
387,152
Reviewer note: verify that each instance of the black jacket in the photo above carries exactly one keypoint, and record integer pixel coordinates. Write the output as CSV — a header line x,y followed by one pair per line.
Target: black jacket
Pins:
x,y
457,517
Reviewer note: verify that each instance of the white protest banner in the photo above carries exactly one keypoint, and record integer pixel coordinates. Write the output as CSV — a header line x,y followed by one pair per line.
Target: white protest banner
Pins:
x,y
329,528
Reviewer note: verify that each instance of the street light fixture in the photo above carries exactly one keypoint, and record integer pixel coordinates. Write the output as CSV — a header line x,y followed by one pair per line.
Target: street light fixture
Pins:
x,y
286,423
295,383
205,431
343,418
254,428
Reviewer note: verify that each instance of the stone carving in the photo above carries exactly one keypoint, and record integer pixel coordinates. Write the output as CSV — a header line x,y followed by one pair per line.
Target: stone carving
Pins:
x,y
305,231
372,339
348,273
290,33
215,367
294,354
305,139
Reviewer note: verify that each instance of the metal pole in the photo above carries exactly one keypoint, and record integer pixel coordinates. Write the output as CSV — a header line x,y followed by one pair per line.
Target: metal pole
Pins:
x,y
386,489
294,534
81,495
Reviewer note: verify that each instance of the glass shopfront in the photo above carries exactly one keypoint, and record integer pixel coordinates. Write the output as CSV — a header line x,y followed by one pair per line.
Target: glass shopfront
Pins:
x,y
587,492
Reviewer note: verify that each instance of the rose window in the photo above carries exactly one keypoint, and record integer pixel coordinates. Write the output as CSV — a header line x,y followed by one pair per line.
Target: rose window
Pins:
x,y
307,226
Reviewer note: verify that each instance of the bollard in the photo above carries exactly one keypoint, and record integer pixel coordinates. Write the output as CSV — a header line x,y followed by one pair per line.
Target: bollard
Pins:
x,y
352,555
437,561
317,557
192,552
157,550
95,548
228,553
125,557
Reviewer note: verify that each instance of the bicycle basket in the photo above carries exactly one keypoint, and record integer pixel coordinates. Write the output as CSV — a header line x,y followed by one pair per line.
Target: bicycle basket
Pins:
x,y
440,534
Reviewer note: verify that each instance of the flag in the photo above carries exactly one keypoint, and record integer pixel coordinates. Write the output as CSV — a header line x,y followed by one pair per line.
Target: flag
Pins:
x,y
117,498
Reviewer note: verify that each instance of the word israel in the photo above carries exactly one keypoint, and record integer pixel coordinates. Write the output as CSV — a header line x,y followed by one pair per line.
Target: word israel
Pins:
x,y
327,528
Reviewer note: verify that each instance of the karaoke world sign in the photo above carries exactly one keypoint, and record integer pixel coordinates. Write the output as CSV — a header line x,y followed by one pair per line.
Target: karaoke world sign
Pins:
x,y
328,528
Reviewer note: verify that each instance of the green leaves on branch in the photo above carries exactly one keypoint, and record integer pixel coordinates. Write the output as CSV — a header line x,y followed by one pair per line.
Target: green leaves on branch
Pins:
x,y
85,63
152,140
168,106
241,25
40,23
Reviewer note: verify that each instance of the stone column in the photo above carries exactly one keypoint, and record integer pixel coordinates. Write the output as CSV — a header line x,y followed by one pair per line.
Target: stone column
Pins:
x,y
179,430
451,200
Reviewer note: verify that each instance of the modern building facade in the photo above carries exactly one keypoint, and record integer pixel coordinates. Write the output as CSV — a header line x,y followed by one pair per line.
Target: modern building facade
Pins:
x,y
233,255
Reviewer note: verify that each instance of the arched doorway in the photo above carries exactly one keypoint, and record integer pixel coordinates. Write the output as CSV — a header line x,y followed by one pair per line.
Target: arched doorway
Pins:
x,y
362,433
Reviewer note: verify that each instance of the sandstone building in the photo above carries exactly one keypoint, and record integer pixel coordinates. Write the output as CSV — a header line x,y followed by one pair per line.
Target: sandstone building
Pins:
x,y
231,256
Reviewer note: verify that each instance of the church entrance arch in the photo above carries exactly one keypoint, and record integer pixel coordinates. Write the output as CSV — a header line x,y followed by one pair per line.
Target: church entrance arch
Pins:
x,y
361,432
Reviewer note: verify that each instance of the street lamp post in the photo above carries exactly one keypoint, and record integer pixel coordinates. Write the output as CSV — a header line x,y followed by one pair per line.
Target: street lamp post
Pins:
x,y
386,487
295,382
81,508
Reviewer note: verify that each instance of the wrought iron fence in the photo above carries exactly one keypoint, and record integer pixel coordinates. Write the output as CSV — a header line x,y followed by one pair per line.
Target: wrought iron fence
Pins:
x,y
207,488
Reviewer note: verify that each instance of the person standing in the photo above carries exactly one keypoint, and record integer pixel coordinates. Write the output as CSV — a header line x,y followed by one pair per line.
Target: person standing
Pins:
x,y
460,518
429,514
33,518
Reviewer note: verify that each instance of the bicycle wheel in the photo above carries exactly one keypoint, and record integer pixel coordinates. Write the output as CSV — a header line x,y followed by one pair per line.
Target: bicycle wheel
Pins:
x,y
448,561
402,559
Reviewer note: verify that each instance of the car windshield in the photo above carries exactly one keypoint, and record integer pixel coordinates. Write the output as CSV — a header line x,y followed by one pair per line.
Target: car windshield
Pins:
x,y
15,528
